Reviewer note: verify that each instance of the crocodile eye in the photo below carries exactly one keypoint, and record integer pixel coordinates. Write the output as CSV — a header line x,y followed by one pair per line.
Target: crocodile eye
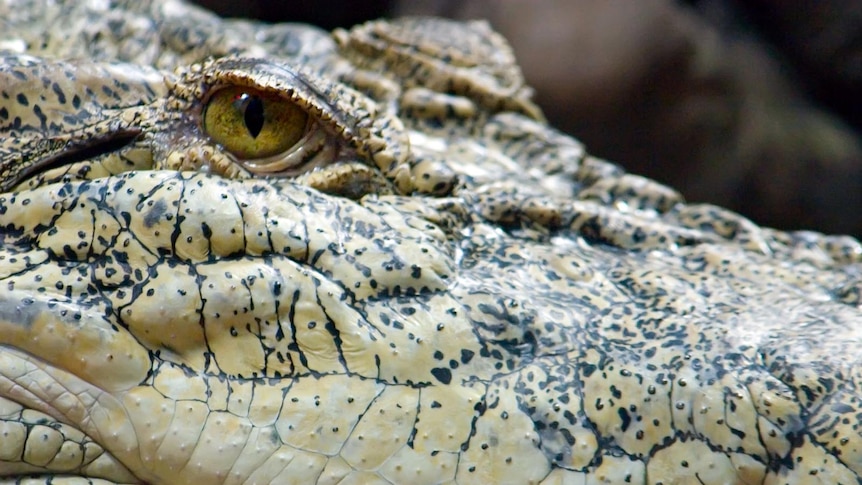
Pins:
x,y
251,124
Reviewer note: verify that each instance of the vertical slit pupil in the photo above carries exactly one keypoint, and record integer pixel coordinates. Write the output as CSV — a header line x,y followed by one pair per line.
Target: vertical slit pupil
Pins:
x,y
253,115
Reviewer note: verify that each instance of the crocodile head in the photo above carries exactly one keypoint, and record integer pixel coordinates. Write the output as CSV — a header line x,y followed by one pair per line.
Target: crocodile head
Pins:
x,y
425,285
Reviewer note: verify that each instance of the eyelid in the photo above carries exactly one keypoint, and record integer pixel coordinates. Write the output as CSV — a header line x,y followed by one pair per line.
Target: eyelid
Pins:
x,y
283,81
286,163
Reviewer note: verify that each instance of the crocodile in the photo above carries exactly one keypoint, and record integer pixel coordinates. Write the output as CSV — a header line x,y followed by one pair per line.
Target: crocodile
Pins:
x,y
233,252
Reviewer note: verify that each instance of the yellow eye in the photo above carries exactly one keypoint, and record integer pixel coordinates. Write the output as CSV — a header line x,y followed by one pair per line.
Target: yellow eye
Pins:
x,y
251,124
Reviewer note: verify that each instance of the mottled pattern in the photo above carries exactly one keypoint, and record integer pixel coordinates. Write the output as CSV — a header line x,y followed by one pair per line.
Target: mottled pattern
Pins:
x,y
438,289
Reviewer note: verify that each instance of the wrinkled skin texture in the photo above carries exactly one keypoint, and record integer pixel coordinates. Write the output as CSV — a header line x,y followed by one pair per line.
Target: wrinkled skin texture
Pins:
x,y
452,292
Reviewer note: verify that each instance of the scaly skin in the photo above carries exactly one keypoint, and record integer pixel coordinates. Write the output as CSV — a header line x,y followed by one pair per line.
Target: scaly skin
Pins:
x,y
445,290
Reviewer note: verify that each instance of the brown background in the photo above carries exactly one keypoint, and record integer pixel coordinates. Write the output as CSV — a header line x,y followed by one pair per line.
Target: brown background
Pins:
x,y
754,105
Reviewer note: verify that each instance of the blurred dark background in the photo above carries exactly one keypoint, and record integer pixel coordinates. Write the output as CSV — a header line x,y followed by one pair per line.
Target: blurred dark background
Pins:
x,y
751,104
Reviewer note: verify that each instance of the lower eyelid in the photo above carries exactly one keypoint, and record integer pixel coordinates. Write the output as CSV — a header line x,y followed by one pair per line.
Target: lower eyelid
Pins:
x,y
312,142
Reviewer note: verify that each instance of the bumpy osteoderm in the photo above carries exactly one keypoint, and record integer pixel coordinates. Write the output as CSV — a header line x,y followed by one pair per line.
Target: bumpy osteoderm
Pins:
x,y
244,253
